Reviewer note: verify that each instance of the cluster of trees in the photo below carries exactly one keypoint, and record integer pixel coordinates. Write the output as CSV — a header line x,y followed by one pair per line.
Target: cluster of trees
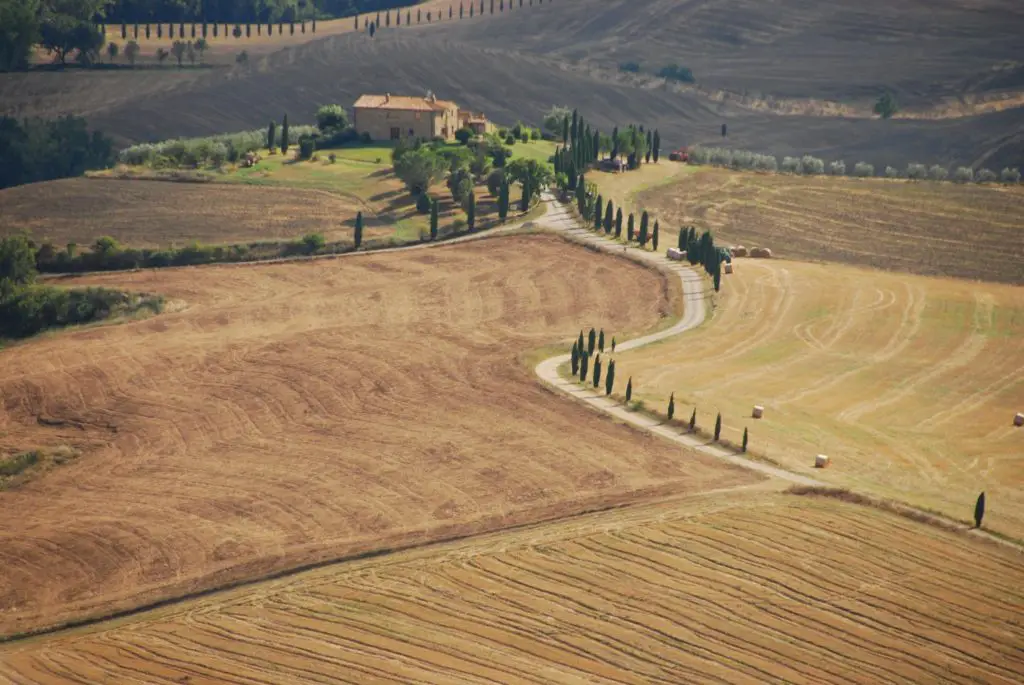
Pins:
x,y
41,150
582,146
604,216
702,250
62,27
27,308
814,166
420,165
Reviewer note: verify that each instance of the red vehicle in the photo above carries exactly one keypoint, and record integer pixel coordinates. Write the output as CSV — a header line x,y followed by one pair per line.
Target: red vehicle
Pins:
x,y
680,155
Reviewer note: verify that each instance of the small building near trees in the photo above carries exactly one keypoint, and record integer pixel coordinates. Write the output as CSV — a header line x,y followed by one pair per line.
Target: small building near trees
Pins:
x,y
396,117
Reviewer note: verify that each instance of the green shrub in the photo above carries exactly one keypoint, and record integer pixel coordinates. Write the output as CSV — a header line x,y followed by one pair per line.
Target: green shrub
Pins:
x,y
307,146
18,463
629,67
937,173
463,135
963,174
985,176
837,168
863,169
313,243
917,172
1008,175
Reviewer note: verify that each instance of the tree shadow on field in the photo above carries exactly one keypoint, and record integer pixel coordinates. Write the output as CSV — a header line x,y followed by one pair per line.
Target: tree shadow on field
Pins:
x,y
381,173
389,194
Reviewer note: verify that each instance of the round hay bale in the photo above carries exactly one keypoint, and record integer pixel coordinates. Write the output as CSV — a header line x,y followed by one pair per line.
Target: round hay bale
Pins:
x,y
761,253
738,251
1018,420
821,461
758,411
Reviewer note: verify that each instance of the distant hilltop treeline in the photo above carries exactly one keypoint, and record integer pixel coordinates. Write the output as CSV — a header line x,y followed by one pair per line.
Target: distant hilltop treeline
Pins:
x,y
241,11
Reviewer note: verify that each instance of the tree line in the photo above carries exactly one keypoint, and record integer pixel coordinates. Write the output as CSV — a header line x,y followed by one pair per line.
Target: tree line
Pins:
x,y
41,150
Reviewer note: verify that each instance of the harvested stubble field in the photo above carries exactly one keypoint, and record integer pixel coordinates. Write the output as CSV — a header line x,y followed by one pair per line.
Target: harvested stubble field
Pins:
x,y
939,229
909,383
159,214
735,588
290,413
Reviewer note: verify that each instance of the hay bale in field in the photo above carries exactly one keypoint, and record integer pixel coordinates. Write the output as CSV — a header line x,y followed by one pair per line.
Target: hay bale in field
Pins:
x,y
728,267
758,411
1018,419
821,461
675,254
761,253
738,251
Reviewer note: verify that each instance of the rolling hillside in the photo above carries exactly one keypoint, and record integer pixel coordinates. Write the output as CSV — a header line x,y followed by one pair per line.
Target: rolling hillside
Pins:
x,y
517,64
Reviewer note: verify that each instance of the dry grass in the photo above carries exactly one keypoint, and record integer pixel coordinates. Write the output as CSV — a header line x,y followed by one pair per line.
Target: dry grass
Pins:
x,y
710,590
288,413
908,383
940,229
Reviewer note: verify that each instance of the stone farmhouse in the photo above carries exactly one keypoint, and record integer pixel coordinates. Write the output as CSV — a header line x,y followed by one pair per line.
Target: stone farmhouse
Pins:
x,y
393,117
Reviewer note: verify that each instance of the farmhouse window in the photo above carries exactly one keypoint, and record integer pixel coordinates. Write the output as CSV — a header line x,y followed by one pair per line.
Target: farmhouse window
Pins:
x,y
395,133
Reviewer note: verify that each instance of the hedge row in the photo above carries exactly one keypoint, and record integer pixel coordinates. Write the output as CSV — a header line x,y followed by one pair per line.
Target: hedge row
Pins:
x,y
209,151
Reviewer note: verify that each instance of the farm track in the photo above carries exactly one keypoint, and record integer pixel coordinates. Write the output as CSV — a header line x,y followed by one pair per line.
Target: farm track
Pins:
x,y
705,588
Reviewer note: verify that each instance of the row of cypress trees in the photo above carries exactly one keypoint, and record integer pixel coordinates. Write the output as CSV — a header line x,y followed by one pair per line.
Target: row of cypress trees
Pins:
x,y
703,251
215,30
475,9
587,371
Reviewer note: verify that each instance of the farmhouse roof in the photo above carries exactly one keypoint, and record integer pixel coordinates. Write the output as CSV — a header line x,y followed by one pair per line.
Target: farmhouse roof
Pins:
x,y
403,102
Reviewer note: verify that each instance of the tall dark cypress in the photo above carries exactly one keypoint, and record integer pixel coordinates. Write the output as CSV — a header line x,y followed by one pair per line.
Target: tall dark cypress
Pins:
x,y
591,341
503,201
357,235
600,340
524,203
609,218
433,219
579,341
629,389
615,142
654,237
642,238
657,145
597,371
565,130
618,222
609,378
718,426
584,365
284,135
573,128
671,406
271,135
693,420
630,231
595,152
597,213
979,508
681,242
574,359
471,212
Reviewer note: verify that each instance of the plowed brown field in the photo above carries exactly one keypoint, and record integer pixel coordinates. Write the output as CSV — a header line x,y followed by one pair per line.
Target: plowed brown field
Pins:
x,y
161,213
292,413
734,589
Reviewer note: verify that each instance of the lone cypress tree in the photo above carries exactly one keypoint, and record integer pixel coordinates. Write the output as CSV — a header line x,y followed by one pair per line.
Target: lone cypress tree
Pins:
x,y
591,341
600,340
471,212
271,135
657,146
613,344
609,378
629,389
503,201
642,239
744,448
597,372
693,420
584,364
357,236
718,426
979,510
618,222
433,220
671,406
654,237
609,218
631,231
575,359
284,135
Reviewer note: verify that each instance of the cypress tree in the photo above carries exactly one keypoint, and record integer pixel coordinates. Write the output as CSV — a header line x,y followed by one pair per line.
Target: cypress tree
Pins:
x,y
271,134
284,135
524,204
744,448
629,389
433,220
609,378
591,341
671,406
580,342
613,344
565,130
503,201
717,276
584,365
693,420
471,212
597,213
597,372
654,237
575,359
681,243
979,510
595,152
574,127
357,236
600,340
642,238
718,426
629,233
657,145
615,142
618,222
609,218
650,144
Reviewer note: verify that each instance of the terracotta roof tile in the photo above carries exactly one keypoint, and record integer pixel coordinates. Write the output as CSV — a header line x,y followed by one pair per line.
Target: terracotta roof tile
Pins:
x,y
402,102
